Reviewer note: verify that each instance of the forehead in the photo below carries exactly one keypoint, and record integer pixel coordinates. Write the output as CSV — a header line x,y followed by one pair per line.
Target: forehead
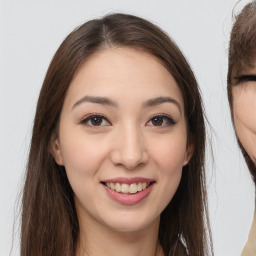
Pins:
x,y
123,72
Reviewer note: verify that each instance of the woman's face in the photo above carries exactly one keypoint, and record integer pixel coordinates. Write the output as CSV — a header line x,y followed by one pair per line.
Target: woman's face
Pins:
x,y
122,139
244,111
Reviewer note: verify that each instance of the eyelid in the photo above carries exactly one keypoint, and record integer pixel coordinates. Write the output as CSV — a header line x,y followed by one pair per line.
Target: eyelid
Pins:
x,y
87,117
170,119
84,121
245,78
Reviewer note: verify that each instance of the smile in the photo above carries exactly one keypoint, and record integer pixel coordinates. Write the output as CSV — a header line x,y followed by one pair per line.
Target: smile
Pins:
x,y
128,188
128,191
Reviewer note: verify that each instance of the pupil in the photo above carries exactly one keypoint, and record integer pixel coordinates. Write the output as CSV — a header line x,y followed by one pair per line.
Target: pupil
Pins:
x,y
96,121
157,121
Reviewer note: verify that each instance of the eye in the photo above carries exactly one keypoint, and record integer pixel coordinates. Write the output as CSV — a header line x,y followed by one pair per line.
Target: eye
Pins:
x,y
95,120
245,78
161,120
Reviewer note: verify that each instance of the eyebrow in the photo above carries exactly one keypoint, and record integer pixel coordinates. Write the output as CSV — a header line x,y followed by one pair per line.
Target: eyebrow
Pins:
x,y
106,101
98,100
161,100
245,78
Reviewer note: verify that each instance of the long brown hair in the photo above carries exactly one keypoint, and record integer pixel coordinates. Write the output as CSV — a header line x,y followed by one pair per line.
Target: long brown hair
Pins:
x,y
49,220
242,56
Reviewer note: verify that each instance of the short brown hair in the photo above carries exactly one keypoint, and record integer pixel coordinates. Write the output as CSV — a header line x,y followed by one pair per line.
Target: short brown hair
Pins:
x,y
242,56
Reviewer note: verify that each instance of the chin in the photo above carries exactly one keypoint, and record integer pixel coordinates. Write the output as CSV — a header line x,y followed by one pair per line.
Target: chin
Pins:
x,y
132,224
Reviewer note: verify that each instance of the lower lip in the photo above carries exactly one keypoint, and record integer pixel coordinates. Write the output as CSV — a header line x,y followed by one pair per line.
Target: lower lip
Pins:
x,y
129,199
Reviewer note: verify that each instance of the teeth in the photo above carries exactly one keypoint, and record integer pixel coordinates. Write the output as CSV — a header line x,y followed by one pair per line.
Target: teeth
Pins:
x,y
126,188
118,187
139,187
133,188
112,186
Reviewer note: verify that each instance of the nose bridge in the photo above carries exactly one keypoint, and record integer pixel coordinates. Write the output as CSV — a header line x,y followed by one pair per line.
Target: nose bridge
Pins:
x,y
130,150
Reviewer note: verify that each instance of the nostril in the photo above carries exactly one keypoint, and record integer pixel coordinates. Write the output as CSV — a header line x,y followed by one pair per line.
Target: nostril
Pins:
x,y
129,151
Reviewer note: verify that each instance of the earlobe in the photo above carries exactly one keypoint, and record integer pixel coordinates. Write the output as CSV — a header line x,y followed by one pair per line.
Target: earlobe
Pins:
x,y
56,151
189,153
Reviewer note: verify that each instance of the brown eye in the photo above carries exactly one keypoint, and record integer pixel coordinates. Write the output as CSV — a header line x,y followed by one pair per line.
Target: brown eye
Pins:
x,y
95,120
161,120
157,120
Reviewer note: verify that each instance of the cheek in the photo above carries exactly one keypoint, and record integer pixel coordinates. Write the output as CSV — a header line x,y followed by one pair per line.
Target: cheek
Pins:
x,y
170,153
169,158
81,153
244,110
244,107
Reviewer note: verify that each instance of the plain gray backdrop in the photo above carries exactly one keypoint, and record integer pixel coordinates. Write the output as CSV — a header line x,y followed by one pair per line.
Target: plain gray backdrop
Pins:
x,y
31,31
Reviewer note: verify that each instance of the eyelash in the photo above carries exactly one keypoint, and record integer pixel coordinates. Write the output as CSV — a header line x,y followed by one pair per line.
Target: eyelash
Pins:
x,y
85,121
167,120
245,78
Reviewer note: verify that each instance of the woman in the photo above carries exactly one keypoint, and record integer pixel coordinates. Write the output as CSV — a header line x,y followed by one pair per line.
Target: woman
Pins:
x,y
117,154
242,94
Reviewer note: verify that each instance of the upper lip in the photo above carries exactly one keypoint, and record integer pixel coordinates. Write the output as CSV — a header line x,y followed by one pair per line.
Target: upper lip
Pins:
x,y
128,180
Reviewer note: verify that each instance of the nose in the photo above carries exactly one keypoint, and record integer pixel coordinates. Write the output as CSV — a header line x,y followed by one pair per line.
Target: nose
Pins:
x,y
129,148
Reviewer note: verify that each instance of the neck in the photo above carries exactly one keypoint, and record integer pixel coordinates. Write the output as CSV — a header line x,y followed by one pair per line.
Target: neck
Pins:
x,y
252,234
250,247
101,240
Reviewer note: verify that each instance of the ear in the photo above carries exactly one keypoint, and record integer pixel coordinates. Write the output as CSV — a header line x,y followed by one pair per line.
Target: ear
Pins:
x,y
56,151
189,151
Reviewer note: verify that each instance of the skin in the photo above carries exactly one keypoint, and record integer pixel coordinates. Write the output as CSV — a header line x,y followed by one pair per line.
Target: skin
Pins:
x,y
250,247
244,106
126,142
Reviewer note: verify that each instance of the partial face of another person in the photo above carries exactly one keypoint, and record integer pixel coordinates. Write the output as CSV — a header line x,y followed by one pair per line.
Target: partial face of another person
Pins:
x,y
244,111
122,139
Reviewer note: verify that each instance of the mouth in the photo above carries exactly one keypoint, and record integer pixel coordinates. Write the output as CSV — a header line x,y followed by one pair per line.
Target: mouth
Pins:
x,y
126,188
128,191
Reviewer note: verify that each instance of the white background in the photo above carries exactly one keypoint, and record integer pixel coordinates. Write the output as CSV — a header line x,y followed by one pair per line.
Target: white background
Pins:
x,y
31,31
